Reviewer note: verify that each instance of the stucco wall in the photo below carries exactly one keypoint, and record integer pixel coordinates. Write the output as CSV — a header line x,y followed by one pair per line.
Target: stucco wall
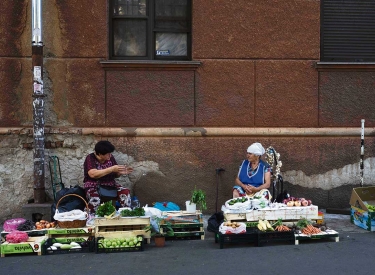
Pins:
x,y
168,167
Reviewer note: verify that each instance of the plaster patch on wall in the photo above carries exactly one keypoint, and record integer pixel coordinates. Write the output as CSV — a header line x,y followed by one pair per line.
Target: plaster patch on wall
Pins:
x,y
71,164
346,175
141,169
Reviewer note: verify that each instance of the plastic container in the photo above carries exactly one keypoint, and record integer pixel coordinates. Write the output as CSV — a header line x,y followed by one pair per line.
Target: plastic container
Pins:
x,y
251,236
87,245
274,236
99,247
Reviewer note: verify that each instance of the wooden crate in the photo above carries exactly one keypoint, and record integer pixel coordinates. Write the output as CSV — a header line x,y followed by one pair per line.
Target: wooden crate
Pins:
x,y
122,227
235,217
185,225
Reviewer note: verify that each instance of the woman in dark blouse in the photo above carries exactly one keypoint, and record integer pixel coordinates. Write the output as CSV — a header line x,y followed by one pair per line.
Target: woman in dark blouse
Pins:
x,y
101,168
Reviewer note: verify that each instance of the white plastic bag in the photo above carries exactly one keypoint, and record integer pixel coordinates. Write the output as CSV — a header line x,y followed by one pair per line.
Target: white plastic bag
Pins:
x,y
70,216
223,229
154,214
239,205
152,211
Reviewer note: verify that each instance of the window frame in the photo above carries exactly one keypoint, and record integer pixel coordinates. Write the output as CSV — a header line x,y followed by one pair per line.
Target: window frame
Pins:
x,y
150,35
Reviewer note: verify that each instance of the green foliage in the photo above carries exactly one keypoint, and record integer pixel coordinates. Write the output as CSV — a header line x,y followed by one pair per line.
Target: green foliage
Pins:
x,y
167,228
105,209
278,223
198,197
370,207
136,212
251,224
302,223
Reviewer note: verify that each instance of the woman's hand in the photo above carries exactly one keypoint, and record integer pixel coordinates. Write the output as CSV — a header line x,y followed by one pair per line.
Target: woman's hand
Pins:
x,y
128,170
123,169
249,189
118,169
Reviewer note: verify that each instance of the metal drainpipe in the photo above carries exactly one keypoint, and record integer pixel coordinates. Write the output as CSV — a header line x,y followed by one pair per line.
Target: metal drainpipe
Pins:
x,y
38,102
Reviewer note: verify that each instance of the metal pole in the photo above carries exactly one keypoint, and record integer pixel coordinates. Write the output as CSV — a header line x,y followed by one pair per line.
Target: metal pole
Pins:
x,y
362,149
38,102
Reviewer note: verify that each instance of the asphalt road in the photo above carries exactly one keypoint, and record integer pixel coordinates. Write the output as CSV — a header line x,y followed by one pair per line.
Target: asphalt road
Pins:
x,y
353,254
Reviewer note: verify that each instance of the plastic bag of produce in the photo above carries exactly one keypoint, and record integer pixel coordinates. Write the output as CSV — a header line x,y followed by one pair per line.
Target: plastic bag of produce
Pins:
x,y
232,228
154,214
17,237
11,225
238,203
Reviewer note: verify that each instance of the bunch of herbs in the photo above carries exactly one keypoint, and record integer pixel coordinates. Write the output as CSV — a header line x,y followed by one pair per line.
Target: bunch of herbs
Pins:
x,y
136,212
105,209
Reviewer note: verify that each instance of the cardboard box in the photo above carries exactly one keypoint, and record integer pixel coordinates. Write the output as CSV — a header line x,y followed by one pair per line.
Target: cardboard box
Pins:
x,y
362,218
33,244
70,231
360,214
361,196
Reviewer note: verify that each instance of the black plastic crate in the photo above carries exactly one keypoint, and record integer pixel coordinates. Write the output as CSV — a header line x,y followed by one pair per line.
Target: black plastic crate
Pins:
x,y
275,236
87,245
251,236
99,247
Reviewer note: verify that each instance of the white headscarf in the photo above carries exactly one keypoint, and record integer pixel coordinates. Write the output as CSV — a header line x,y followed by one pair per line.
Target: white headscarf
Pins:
x,y
256,149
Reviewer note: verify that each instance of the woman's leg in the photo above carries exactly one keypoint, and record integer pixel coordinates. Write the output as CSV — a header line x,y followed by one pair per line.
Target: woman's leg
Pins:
x,y
238,192
93,199
123,196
